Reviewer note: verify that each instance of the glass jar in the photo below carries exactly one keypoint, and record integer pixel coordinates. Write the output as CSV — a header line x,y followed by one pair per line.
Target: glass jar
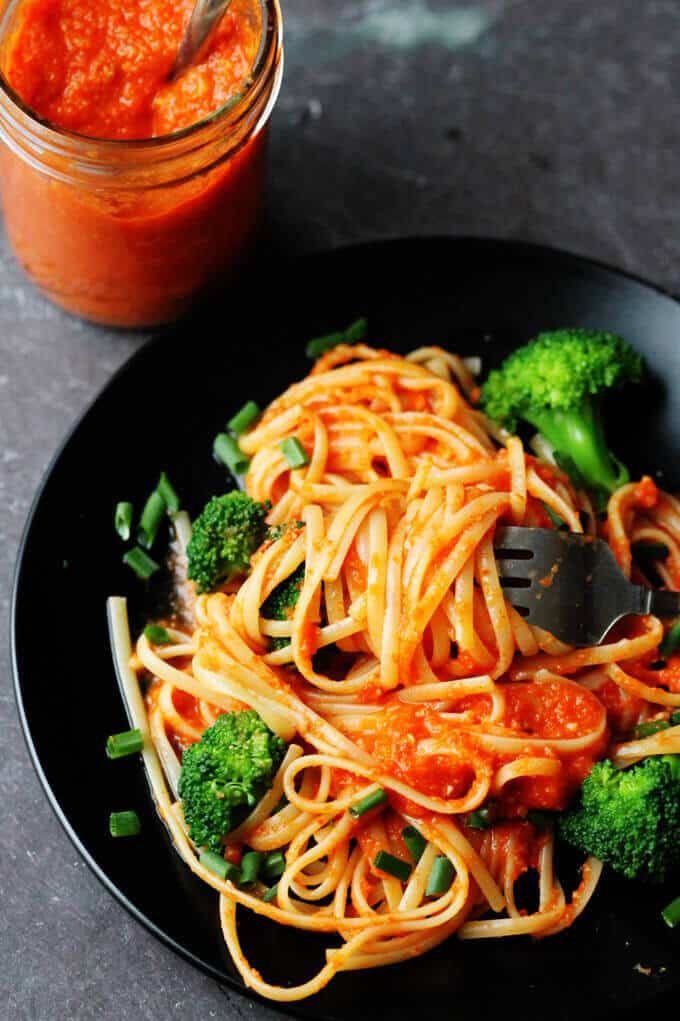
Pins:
x,y
126,233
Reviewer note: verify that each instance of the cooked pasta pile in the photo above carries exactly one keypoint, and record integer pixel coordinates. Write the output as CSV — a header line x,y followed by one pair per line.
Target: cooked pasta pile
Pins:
x,y
402,668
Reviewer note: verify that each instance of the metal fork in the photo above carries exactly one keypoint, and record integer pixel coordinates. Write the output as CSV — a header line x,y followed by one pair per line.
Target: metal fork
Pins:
x,y
571,585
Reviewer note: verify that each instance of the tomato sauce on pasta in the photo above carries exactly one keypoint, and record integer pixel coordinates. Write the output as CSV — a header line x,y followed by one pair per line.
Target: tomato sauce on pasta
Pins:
x,y
431,688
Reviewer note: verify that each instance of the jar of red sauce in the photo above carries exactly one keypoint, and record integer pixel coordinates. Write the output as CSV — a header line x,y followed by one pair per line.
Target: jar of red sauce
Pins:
x,y
127,231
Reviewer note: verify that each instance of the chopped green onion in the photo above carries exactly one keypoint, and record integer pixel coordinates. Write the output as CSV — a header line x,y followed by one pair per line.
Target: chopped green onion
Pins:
x,y
168,493
671,641
157,635
644,550
250,866
355,332
149,523
541,820
440,877
227,450
244,418
123,519
480,819
396,867
654,726
294,453
366,804
141,563
671,913
650,727
128,742
217,864
415,842
270,894
274,865
557,521
124,824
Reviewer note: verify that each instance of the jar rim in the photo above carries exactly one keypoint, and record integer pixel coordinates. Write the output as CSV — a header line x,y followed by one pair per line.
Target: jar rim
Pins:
x,y
237,105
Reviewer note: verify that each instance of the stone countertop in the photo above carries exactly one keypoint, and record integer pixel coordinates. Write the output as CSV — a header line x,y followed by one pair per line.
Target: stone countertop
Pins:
x,y
554,122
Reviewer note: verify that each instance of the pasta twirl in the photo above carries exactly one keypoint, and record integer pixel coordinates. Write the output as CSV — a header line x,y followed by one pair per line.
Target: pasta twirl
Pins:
x,y
401,669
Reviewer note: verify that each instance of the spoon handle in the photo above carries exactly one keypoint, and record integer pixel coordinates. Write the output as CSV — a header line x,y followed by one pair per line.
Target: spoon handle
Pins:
x,y
205,17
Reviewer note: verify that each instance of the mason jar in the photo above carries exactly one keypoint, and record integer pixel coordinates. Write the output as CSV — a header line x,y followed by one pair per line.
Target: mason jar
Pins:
x,y
128,232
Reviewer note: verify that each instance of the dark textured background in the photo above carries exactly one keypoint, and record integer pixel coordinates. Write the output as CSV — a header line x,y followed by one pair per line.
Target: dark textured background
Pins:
x,y
554,121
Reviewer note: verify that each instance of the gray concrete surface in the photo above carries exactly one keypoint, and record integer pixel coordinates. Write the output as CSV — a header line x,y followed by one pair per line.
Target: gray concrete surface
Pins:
x,y
554,121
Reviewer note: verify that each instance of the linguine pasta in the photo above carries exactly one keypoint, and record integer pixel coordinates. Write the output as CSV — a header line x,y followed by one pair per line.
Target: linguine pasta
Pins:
x,y
402,669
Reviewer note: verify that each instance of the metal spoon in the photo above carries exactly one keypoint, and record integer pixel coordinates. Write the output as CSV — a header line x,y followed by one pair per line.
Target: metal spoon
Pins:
x,y
205,17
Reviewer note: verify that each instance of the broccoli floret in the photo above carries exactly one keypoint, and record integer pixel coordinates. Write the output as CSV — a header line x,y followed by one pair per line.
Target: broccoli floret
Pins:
x,y
226,773
555,382
630,818
280,604
223,539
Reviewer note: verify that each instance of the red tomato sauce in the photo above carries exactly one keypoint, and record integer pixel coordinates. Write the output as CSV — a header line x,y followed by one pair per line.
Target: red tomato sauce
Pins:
x,y
551,709
101,69
667,676
395,744
646,493
118,249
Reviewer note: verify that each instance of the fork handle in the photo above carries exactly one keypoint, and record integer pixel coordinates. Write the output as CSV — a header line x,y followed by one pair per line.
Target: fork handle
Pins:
x,y
662,604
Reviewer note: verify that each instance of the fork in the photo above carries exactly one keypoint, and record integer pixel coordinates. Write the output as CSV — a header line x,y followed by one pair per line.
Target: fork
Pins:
x,y
571,585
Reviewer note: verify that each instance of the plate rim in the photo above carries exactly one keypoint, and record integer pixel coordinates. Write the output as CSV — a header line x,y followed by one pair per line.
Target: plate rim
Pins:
x,y
511,245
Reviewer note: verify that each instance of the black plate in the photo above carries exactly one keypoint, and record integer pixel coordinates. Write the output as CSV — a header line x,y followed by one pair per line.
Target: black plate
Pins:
x,y
162,411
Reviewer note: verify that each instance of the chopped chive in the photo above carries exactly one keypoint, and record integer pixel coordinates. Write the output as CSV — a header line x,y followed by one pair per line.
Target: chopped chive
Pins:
x,y
123,519
541,820
557,521
141,563
366,804
168,494
294,453
271,893
396,867
128,742
124,824
671,641
415,842
217,864
671,913
355,332
157,635
480,819
149,523
440,877
244,418
644,550
227,450
274,865
250,866
650,727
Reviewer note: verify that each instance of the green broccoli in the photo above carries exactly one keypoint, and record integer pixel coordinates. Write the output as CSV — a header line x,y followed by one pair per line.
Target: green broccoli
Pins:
x,y
630,818
555,383
223,539
280,604
226,773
